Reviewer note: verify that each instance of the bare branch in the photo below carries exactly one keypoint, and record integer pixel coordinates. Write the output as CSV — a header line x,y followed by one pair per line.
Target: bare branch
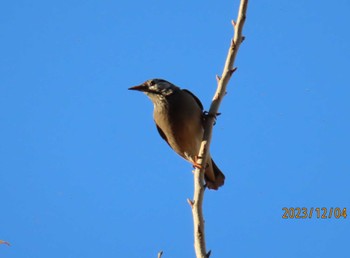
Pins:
x,y
197,211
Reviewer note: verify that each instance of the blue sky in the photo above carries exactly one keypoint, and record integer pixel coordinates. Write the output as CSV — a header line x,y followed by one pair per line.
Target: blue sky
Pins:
x,y
83,172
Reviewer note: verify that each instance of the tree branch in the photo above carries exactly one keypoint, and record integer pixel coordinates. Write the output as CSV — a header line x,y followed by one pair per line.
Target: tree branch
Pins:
x,y
197,203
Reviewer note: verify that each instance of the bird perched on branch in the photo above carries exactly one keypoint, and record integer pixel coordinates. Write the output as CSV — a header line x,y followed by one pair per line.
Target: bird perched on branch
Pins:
x,y
179,118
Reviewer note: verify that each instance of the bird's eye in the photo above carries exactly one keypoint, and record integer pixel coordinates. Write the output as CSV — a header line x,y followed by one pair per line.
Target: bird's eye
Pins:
x,y
151,83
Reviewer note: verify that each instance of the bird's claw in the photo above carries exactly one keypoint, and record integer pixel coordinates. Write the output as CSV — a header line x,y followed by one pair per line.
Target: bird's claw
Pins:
x,y
196,165
207,114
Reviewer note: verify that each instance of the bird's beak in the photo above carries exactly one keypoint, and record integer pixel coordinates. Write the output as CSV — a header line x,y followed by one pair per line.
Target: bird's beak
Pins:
x,y
141,87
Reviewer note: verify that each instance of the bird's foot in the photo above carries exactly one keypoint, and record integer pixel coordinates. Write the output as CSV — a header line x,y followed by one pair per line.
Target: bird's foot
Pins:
x,y
207,114
195,163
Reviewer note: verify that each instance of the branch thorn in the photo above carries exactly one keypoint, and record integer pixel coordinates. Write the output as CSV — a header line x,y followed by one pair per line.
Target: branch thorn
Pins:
x,y
232,70
243,38
190,202
233,23
218,78
208,254
160,254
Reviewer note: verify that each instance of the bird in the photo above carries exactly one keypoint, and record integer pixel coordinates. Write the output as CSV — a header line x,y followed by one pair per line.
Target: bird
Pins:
x,y
179,118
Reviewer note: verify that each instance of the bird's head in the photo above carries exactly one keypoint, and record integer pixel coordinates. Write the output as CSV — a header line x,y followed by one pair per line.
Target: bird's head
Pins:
x,y
156,88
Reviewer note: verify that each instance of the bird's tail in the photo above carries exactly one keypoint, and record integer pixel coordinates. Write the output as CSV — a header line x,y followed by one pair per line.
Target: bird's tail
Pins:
x,y
214,178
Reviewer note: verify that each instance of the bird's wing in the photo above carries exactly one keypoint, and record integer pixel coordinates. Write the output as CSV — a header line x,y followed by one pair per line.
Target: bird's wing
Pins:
x,y
195,98
199,104
162,134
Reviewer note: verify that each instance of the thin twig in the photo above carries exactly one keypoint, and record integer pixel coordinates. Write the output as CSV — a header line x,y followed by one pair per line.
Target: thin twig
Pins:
x,y
4,242
197,211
